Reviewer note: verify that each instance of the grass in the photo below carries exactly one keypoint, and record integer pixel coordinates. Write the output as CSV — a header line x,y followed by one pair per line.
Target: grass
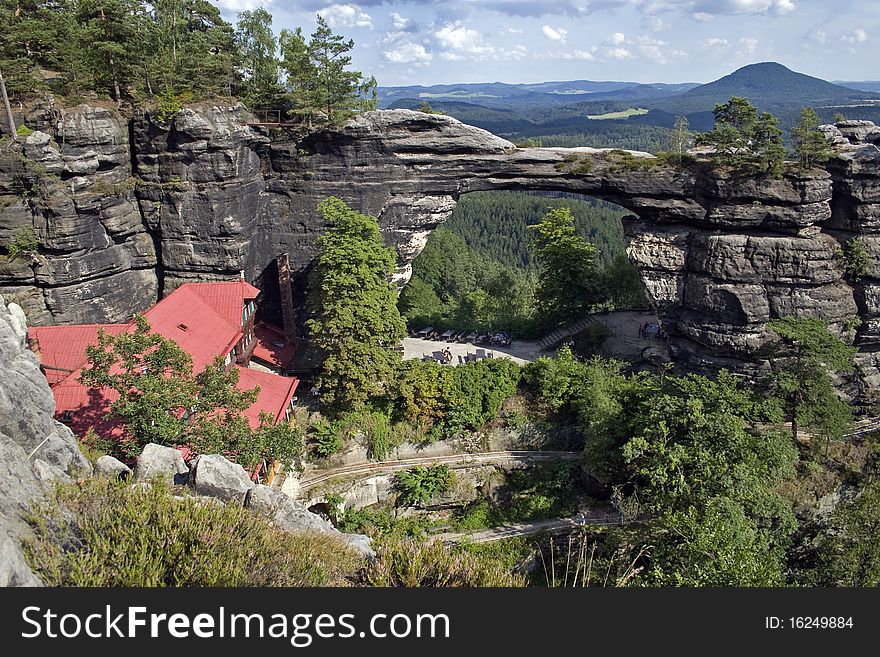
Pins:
x,y
623,114
105,533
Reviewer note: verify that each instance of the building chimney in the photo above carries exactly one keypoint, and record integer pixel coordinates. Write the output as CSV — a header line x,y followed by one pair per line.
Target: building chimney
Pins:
x,y
286,291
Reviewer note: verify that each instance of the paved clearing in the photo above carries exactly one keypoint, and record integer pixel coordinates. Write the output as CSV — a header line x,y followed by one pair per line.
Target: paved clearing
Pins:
x,y
623,343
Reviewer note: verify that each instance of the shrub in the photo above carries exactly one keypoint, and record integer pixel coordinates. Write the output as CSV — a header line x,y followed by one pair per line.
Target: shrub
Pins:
x,y
105,533
420,484
857,260
25,242
325,439
408,563
170,103
23,131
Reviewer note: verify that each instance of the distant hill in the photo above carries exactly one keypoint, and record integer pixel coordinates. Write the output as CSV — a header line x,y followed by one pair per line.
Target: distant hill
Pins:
x,y
866,85
582,112
767,85
523,97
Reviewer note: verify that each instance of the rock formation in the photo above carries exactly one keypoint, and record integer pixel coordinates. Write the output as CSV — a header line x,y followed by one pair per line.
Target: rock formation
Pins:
x,y
34,449
214,194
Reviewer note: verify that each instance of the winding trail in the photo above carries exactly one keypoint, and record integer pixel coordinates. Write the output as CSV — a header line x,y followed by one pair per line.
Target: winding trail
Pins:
x,y
558,525
311,479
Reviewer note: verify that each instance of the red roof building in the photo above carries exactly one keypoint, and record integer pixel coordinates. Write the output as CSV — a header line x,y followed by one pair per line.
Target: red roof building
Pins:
x,y
207,320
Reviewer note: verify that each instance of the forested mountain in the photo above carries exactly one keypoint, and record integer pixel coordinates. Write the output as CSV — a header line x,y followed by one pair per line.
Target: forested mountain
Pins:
x,y
639,116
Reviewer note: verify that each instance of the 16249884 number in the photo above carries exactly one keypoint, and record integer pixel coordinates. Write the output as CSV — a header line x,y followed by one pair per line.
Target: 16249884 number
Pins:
x,y
820,622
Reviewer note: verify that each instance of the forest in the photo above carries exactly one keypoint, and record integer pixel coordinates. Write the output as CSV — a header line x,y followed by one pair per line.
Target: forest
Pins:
x,y
170,52
479,270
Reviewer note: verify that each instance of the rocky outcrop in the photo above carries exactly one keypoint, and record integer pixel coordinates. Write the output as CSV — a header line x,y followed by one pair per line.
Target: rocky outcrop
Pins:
x,y
34,449
216,193
160,462
73,187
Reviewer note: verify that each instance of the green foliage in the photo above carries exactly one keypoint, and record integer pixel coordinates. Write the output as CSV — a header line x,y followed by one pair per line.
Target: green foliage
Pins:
x,y
23,131
745,140
170,103
682,138
257,46
410,563
417,486
476,392
479,272
811,146
355,320
567,282
325,439
849,551
24,243
103,533
857,260
317,73
161,400
544,492
802,366
381,523
425,108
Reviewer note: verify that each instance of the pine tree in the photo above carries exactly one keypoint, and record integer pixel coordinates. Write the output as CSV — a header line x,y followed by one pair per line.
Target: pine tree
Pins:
x,y
810,144
354,307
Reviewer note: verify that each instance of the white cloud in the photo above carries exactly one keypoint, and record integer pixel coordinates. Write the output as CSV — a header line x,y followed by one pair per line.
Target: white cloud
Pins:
x,y
555,34
346,16
398,22
856,36
818,35
715,42
616,39
514,30
652,49
702,16
408,53
457,36
725,7
619,53
657,24
748,45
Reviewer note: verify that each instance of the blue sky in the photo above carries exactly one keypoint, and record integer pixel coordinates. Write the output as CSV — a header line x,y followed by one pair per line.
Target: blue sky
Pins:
x,y
431,41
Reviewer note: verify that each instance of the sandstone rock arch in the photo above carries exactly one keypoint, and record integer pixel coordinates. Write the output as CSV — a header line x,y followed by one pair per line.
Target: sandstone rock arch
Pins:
x,y
719,256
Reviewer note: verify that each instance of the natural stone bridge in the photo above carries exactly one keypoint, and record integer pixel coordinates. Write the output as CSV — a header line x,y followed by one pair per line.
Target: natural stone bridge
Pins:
x,y
719,256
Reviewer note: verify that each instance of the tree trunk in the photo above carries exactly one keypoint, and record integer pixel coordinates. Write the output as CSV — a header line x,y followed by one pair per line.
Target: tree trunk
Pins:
x,y
10,120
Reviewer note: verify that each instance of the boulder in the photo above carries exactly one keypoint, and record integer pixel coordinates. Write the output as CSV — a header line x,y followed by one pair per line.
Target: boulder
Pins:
x,y
108,466
219,477
160,461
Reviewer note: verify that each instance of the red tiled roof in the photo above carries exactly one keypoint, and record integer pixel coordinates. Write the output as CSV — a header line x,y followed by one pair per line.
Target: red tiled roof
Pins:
x,y
203,318
185,317
64,347
224,297
274,396
272,347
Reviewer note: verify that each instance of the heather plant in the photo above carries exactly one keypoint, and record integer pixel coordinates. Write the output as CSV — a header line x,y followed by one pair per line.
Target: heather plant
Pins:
x,y
106,533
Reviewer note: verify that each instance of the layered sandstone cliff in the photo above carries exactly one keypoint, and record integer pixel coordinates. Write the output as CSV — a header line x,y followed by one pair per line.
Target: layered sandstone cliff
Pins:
x,y
126,211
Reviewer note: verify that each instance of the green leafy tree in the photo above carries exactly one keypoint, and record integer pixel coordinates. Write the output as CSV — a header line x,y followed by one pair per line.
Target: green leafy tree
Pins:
x,y
682,138
802,366
744,139
420,484
567,282
159,399
355,320
810,145
257,46
849,551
